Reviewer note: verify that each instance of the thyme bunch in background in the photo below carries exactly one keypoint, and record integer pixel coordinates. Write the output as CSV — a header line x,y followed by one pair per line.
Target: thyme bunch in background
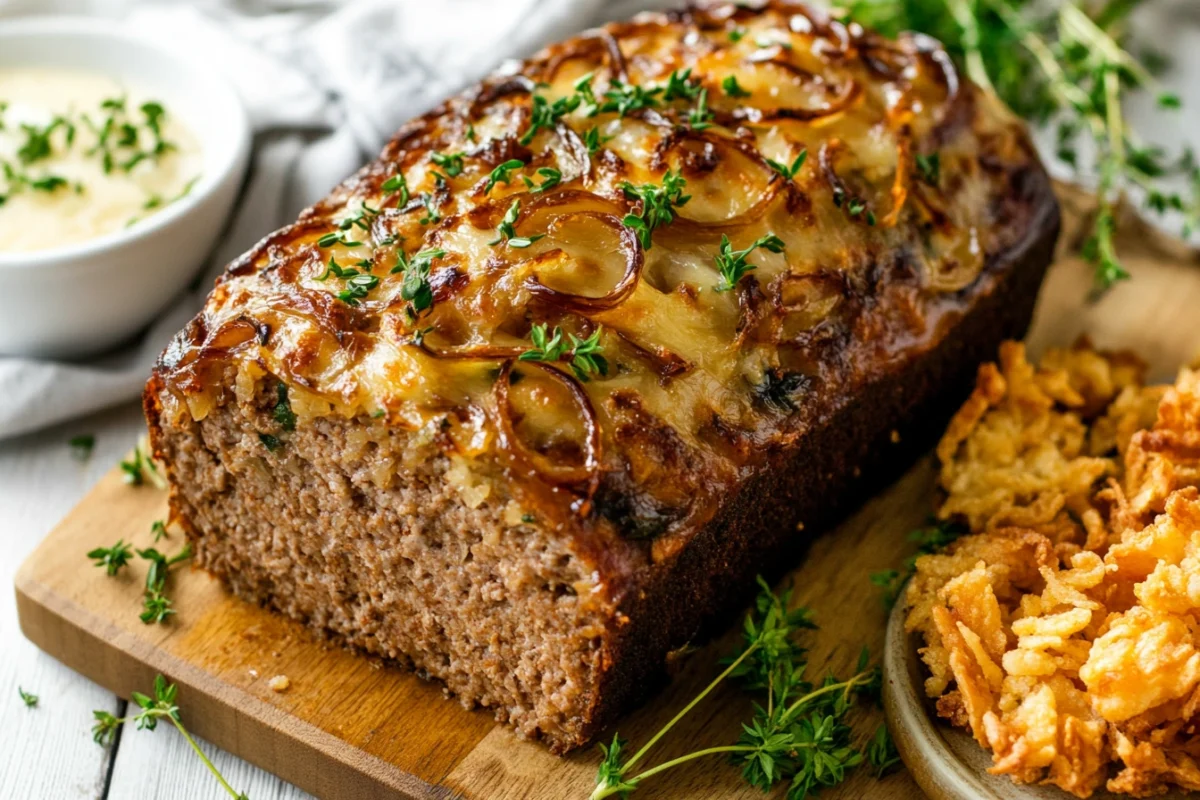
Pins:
x,y
799,738
1070,66
160,706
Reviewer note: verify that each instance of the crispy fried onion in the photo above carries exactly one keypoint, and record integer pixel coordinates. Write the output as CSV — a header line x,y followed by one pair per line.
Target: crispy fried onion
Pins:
x,y
583,476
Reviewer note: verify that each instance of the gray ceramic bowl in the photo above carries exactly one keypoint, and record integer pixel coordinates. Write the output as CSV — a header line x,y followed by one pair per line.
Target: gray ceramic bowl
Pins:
x,y
946,762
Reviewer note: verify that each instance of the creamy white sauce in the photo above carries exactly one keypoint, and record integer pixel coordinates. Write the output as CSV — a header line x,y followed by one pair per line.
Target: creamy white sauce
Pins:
x,y
92,202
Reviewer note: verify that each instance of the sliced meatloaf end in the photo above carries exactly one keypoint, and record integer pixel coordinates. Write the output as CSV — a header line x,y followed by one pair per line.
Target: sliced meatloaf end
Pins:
x,y
332,530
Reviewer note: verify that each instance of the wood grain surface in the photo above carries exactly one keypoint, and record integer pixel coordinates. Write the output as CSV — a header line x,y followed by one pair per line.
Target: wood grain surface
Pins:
x,y
350,727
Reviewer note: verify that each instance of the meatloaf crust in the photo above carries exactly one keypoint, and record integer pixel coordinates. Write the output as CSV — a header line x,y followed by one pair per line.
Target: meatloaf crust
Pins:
x,y
526,402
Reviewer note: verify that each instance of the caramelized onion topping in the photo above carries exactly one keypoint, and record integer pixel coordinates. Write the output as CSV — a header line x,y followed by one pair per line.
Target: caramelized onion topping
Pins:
x,y
584,476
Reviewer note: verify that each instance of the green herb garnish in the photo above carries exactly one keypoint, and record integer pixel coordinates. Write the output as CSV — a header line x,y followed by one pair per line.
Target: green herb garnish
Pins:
x,y
30,700
732,88
157,606
881,752
583,356
501,173
700,117
550,178
416,288
82,446
161,706
140,468
624,97
929,167
789,170
544,115
396,185
732,263
658,204
112,558
431,215
680,85
799,738
593,141
451,162
282,412
359,283
506,231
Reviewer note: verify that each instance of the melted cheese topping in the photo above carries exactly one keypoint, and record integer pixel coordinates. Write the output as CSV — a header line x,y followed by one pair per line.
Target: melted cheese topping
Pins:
x,y
73,197
900,193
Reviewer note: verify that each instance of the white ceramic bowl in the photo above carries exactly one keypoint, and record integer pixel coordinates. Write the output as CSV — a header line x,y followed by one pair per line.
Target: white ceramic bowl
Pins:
x,y
84,298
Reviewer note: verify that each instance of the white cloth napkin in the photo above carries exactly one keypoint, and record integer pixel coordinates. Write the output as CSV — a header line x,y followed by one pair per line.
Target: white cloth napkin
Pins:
x,y
325,85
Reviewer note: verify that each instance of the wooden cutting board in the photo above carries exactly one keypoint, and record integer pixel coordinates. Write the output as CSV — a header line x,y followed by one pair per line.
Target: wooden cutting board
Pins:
x,y
350,727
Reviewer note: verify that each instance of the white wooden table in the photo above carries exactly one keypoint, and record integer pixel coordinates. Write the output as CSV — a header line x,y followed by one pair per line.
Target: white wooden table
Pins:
x,y
48,752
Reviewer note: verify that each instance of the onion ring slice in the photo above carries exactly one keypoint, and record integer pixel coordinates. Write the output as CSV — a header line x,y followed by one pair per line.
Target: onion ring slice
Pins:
x,y
587,474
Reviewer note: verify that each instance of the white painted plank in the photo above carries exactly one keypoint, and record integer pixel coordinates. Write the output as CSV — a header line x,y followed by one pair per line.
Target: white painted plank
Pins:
x,y
178,772
48,751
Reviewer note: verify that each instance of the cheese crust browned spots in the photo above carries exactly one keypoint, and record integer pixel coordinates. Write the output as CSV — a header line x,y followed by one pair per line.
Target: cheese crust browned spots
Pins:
x,y
826,144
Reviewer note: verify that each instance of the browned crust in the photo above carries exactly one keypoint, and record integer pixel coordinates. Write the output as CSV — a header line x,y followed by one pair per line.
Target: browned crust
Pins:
x,y
829,471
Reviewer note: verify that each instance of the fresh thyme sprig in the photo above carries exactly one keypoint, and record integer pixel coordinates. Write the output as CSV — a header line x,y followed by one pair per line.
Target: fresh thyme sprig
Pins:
x,y
81,446
396,185
1069,66
732,263
680,85
700,117
929,167
593,141
658,204
732,88
881,752
583,356
622,98
501,173
160,706
112,558
931,539
416,288
544,115
789,170
359,280
550,178
506,231
140,468
157,606
451,162
800,736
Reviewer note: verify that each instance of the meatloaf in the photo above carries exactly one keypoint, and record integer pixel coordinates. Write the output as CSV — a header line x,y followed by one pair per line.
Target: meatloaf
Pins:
x,y
526,402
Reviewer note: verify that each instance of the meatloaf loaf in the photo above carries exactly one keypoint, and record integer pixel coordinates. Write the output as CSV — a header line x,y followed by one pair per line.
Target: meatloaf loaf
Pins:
x,y
526,402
